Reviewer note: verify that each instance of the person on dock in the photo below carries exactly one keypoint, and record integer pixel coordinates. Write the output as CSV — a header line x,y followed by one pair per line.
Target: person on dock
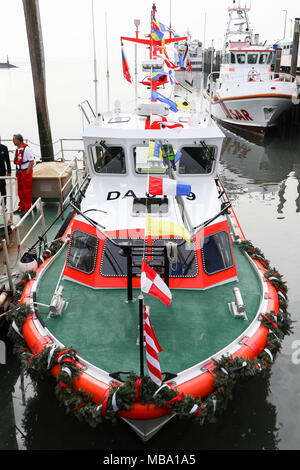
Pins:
x,y
5,169
24,161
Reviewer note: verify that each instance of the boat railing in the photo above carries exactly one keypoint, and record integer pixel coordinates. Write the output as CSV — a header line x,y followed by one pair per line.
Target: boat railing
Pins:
x,y
87,111
21,235
7,209
63,149
252,76
66,188
38,204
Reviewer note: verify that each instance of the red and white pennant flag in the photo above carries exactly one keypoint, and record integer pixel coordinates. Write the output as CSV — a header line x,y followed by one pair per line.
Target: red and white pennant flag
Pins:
x,y
157,122
152,349
152,284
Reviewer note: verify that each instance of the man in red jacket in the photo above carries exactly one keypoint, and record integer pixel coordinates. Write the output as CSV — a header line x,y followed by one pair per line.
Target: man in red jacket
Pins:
x,y
24,161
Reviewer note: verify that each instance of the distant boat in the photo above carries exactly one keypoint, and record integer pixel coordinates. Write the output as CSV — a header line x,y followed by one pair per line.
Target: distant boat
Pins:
x,y
7,65
247,93
195,50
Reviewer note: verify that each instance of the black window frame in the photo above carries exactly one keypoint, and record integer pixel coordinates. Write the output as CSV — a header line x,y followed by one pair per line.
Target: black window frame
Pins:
x,y
203,255
92,149
119,241
95,255
251,54
241,54
212,159
179,240
261,55
148,171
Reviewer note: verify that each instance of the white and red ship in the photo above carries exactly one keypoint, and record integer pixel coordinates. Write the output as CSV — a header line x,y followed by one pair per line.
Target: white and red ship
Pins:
x,y
247,93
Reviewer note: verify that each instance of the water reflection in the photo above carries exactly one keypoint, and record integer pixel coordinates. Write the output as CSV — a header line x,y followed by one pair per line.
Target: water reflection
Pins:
x,y
268,166
34,420
9,374
269,162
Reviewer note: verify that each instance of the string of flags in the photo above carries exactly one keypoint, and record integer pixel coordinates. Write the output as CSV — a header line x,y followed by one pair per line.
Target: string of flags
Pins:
x,y
160,77
158,96
164,152
158,227
166,186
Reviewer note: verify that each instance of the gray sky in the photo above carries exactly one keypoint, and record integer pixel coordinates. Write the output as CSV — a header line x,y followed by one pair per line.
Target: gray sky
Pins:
x,y
67,27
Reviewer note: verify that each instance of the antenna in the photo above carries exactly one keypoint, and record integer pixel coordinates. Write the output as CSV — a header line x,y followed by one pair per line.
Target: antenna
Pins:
x,y
136,23
107,71
95,64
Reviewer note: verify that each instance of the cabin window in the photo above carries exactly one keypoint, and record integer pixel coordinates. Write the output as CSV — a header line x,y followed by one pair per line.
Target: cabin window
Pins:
x,y
83,252
114,263
241,58
263,58
232,58
186,264
145,164
196,160
270,58
252,58
216,253
108,159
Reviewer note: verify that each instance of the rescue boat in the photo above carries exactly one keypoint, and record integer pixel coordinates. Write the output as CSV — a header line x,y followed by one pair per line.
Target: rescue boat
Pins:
x,y
152,303
246,93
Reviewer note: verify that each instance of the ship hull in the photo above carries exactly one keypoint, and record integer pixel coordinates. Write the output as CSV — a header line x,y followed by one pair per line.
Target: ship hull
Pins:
x,y
254,113
252,105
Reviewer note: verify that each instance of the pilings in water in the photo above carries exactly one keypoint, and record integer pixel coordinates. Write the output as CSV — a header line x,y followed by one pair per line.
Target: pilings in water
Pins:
x,y
36,50
295,48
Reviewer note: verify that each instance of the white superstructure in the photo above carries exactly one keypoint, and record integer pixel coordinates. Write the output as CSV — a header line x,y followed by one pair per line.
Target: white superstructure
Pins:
x,y
247,93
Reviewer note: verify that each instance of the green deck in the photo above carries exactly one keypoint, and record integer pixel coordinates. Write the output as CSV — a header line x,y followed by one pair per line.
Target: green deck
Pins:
x,y
103,327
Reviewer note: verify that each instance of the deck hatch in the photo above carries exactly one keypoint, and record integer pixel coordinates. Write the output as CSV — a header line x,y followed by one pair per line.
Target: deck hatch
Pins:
x,y
150,205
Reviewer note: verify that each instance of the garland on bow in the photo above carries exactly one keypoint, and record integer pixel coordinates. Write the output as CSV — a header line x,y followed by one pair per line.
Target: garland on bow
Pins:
x,y
227,372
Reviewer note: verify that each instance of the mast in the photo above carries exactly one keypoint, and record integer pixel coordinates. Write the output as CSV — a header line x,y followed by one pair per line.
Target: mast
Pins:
x,y
237,13
95,64
153,48
107,68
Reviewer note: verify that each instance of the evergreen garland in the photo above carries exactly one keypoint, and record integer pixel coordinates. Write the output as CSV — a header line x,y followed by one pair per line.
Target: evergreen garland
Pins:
x,y
227,371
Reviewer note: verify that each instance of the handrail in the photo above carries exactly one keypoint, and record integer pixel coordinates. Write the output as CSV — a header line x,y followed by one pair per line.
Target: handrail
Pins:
x,y
263,76
40,218
9,197
61,151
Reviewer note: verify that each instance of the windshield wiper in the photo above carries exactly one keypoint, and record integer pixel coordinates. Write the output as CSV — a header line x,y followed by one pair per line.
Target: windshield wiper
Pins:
x,y
224,210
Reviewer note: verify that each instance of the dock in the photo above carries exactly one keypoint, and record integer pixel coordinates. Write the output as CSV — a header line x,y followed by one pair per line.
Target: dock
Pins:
x,y
18,233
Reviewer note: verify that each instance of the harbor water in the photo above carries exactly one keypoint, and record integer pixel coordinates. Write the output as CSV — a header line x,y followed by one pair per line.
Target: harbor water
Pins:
x,y
262,179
